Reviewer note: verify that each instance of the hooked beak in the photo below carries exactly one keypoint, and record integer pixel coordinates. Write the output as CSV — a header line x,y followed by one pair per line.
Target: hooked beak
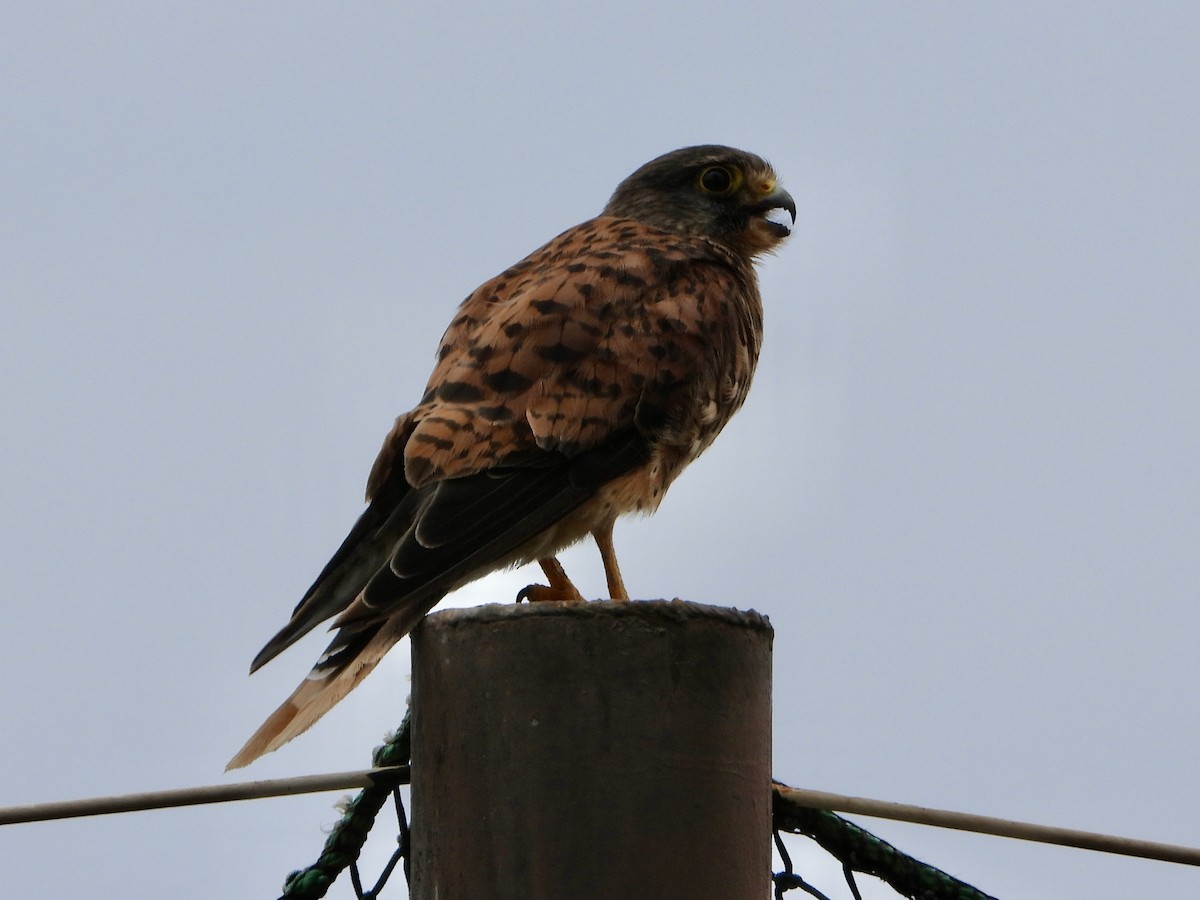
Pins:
x,y
777,202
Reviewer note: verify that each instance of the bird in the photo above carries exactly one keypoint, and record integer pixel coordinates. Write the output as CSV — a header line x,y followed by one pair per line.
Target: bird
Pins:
x,y
570,389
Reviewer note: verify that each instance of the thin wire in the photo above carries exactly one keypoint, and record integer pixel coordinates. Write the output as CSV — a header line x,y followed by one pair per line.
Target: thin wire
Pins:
x,y
216,793
1025,831
340,781
788,879
402,852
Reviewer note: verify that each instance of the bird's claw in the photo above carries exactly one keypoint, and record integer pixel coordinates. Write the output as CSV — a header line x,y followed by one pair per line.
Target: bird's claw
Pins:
x,y
544,593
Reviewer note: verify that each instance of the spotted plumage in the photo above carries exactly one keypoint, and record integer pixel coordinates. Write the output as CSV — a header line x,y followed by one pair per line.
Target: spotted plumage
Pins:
x,y
570,389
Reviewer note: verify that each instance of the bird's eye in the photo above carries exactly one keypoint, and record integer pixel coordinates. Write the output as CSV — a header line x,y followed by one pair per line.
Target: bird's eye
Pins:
x,y
717,180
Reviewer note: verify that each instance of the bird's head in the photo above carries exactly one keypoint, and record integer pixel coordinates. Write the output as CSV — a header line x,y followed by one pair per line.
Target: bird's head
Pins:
x,y
709,191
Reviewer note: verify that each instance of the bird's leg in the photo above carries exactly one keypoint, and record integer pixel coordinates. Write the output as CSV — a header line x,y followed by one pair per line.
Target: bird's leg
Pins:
x,y
612,572
560,587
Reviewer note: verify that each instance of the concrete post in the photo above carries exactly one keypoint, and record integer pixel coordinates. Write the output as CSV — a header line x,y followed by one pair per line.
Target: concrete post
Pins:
x,y
597,751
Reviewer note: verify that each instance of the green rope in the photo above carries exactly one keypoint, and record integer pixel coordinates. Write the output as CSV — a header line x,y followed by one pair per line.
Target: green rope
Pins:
x,y
860,851
346,840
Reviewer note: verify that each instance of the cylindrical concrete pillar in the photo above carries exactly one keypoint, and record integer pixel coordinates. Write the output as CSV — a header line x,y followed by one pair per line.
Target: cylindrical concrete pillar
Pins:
x,y
595,751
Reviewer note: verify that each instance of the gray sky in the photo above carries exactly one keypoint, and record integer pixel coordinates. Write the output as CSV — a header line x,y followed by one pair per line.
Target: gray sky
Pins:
x,y
965,486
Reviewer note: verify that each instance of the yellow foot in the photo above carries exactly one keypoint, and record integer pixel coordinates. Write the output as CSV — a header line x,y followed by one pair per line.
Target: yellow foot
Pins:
x,y
559,590
543,593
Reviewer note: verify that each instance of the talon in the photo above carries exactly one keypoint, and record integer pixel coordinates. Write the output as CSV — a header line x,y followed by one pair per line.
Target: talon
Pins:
x,y
560,589
542,593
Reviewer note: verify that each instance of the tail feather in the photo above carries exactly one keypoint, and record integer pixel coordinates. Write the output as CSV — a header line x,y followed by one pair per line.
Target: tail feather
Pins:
x,y
362,554
319,693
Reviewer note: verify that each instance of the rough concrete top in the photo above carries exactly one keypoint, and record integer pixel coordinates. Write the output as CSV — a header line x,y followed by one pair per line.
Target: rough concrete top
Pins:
x,y
647,610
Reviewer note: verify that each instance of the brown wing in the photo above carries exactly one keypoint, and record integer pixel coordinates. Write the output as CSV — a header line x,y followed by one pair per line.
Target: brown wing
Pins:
x,y
594,332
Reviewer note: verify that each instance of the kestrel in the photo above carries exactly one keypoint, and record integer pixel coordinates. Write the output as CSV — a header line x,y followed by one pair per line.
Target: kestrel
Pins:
x,y
569,390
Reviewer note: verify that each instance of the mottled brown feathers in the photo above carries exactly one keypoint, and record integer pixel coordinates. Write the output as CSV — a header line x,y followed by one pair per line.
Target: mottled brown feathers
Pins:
x,y
561,350
570,389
